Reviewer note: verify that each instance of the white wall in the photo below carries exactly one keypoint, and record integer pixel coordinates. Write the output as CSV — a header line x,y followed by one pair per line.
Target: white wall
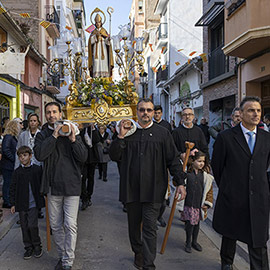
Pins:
x,y
183,14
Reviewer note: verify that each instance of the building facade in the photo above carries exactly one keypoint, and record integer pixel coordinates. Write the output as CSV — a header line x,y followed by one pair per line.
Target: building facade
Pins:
x,y
247,36
219,82
168,47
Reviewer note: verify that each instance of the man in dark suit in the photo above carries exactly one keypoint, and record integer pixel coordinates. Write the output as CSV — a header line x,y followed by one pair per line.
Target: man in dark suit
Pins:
x,y
240,159
90,138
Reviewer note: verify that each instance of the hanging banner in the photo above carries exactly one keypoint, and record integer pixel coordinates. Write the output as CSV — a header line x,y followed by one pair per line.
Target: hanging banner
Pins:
x,y
12,63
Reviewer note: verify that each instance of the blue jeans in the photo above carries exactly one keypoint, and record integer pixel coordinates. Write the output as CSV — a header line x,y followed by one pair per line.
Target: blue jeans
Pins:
x,y
63,211
7,175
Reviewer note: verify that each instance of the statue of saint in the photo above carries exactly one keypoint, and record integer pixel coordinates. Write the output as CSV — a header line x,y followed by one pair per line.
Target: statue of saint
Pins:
x,y
100,56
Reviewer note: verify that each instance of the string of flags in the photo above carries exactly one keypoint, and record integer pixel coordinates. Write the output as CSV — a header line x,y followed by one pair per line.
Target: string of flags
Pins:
x,y
63,83
177,63
24,15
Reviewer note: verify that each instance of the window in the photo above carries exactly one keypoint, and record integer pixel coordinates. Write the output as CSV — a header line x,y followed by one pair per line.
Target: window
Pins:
x,y
4,107
218,63
140,5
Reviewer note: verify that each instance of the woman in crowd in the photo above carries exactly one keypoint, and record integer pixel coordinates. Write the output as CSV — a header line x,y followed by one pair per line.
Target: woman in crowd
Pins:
x,y
9,144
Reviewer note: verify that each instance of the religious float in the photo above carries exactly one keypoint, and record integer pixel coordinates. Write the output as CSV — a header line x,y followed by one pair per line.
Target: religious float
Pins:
x,y
94,97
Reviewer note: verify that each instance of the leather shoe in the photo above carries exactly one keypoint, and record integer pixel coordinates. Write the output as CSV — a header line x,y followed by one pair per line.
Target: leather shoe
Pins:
x,y
196,246
138,261
188,248
162,222
84,206
59,265
226,267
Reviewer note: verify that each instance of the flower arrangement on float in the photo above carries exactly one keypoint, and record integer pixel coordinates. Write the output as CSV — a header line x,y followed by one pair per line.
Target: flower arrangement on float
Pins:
x,y
97,90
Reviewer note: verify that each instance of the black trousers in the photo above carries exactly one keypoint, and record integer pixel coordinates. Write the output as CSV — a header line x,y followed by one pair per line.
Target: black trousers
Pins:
x,y
102,168
142,218
29,227
162,209
258,256
88,180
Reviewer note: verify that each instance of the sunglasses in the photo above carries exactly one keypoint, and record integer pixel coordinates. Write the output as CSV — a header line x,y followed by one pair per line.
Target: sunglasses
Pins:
x,y
143,110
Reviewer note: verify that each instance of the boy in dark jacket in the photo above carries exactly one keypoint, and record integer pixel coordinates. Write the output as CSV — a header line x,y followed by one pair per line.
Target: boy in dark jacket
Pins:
x,y
25,198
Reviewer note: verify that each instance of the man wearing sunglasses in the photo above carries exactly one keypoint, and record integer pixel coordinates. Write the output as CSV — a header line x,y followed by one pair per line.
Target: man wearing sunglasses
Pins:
x,y
187,131
145,157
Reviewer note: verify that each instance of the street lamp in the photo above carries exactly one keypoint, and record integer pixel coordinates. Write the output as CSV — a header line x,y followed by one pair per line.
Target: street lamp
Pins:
x,y
72,62
143,82
129,54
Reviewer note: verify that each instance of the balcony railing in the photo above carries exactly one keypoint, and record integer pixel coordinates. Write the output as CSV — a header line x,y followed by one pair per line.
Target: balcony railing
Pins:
x,y
52,16
162,75
78,18
218,63
53,81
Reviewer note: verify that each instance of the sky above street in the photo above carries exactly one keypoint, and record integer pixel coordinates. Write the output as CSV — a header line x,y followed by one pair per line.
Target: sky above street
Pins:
x,y
119,16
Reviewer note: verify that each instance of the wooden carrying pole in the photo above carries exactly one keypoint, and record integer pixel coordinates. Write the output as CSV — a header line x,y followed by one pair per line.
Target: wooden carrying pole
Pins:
x,y
189,146
48,230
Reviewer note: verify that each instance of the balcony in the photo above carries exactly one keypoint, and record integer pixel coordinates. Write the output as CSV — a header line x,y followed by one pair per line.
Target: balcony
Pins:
x,y
52,17
78,18
247,27
53,84
162,35
162,75
218,63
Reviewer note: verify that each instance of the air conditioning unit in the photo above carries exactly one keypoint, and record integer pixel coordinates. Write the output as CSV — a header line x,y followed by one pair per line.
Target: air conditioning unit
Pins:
x,y
230,3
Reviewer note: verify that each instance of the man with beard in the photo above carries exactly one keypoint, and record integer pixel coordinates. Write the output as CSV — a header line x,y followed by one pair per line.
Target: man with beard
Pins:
x,y
145,156
240,159
61,181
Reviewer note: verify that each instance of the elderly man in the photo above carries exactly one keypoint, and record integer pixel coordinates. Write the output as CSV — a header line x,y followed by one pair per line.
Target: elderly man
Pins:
x,y
223,125
61,181
187,131
240,159
145,156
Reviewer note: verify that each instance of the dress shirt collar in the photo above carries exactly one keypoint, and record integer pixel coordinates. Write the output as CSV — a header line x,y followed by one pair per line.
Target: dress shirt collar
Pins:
x,y
245,130
31,163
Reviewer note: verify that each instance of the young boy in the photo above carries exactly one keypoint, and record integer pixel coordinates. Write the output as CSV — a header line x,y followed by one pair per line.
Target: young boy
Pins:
x,y
26,199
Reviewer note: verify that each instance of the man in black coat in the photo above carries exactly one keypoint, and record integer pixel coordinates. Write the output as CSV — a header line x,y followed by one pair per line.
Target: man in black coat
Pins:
x,y
240,159
158,112
145,157
187,131
205,129
90,137
62,157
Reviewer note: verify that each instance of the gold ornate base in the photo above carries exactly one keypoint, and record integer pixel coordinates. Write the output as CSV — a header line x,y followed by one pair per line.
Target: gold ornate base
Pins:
x,y
102,113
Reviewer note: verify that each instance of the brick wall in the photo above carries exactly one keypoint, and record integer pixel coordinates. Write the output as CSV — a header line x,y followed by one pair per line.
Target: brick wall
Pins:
x,y
219,90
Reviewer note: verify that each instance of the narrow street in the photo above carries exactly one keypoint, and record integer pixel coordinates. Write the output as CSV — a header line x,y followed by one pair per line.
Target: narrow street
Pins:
x,y
103,242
